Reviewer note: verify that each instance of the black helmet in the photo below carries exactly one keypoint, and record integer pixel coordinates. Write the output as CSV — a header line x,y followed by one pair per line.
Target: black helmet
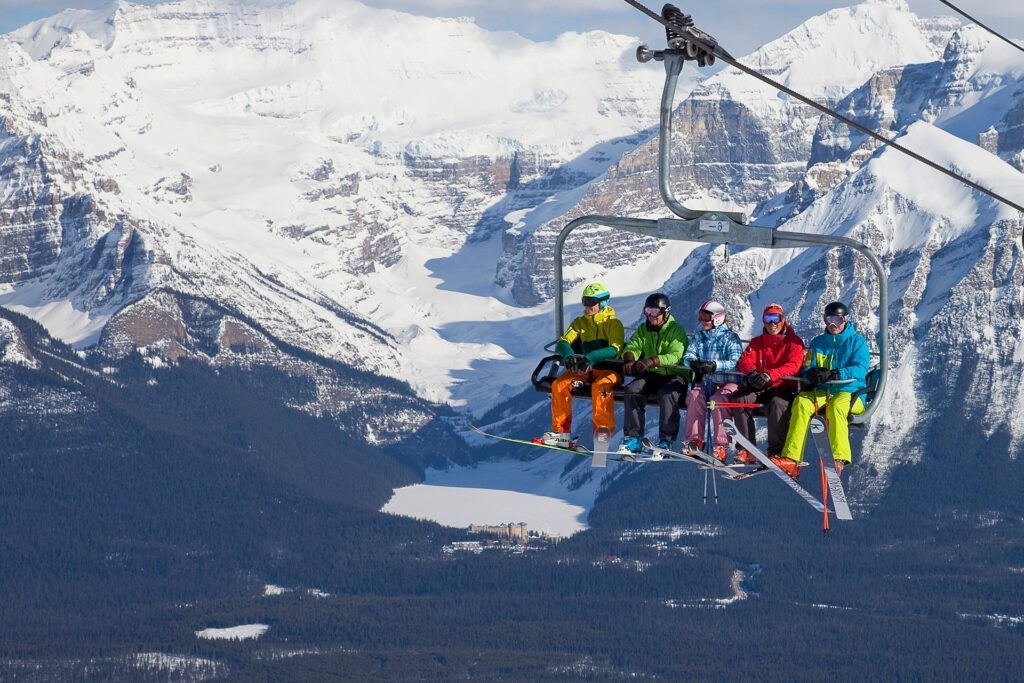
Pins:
x,y
837,308
658,300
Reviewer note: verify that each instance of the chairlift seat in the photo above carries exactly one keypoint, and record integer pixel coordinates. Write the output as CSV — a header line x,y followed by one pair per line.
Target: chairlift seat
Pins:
x,y
867,395
548,369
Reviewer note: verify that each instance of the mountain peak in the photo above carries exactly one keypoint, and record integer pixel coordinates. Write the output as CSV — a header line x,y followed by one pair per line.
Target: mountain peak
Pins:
x,y
831,54
895,4
41,37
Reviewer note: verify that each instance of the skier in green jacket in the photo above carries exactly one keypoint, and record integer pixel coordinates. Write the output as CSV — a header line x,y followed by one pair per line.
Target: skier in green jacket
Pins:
x,y
659,342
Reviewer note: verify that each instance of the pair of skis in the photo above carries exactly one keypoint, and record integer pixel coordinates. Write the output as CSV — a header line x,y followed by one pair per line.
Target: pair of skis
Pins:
x,y
699,458
599,455
831,483
705,461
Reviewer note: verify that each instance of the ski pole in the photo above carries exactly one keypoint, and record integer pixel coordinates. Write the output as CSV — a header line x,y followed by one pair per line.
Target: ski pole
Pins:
x,y
824,497
714,485
709,435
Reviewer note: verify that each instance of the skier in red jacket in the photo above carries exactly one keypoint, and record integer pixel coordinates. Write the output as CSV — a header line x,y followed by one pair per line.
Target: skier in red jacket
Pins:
x,y
778,352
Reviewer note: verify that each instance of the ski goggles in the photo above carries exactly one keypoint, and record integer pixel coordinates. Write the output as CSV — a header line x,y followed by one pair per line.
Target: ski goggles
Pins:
x,y
705,316
836,320
772,318
653,312
589,301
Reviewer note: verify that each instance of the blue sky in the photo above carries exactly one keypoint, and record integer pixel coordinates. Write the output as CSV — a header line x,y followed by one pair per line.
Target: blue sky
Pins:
x,y
740,25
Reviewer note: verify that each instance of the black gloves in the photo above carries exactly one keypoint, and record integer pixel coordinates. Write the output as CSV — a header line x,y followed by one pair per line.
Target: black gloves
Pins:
x,y
758,381
644,364
702,367
577,364
815,376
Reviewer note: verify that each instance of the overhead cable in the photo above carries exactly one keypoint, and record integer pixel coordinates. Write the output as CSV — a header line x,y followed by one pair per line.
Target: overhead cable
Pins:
x,y
717,50
970,18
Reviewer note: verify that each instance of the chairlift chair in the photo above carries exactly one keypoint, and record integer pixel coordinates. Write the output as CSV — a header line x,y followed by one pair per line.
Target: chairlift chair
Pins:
x,y
710,227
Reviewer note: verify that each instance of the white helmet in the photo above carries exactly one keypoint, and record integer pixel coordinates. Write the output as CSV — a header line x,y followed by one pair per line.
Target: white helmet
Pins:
x,y
716,310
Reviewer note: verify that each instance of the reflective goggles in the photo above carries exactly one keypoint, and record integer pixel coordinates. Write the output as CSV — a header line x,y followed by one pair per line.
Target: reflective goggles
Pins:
x,y
653,312
836,320
589,301
705,316
772,318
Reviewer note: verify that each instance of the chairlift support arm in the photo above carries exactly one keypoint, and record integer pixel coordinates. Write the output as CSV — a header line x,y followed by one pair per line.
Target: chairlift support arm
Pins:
x,y
717,227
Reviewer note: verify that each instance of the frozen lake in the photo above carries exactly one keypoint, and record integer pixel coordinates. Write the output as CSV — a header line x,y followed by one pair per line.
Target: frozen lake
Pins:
x,y
498,493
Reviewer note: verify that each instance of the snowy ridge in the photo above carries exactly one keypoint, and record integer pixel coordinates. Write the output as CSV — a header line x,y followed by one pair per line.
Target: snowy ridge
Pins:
x,y
13,348
739,142
831,54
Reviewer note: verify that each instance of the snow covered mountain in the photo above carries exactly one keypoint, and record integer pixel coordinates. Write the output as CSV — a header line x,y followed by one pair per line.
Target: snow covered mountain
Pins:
x,y
301,165
206,178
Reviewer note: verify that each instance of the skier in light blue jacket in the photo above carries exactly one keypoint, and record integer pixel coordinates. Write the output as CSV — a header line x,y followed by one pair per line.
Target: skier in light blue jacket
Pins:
x,y
840,355
715,349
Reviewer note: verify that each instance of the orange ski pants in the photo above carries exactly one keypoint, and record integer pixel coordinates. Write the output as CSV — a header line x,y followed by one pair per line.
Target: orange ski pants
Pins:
x,y
601,384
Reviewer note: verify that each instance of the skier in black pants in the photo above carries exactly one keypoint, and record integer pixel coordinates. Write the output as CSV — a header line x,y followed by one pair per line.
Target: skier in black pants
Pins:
x,y
659,342
769,358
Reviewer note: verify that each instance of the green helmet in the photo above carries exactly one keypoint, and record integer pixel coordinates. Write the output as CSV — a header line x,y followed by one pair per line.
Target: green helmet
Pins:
x,y
595,290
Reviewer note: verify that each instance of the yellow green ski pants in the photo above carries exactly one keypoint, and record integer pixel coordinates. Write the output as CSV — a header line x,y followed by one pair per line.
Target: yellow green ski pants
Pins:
x,y
837,412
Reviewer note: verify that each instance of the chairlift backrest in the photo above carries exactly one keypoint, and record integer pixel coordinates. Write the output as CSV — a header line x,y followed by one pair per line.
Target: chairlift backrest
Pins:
x,y
867,395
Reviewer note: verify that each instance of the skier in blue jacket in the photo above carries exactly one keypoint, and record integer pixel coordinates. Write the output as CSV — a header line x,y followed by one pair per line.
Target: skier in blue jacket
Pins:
x,y
835,367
